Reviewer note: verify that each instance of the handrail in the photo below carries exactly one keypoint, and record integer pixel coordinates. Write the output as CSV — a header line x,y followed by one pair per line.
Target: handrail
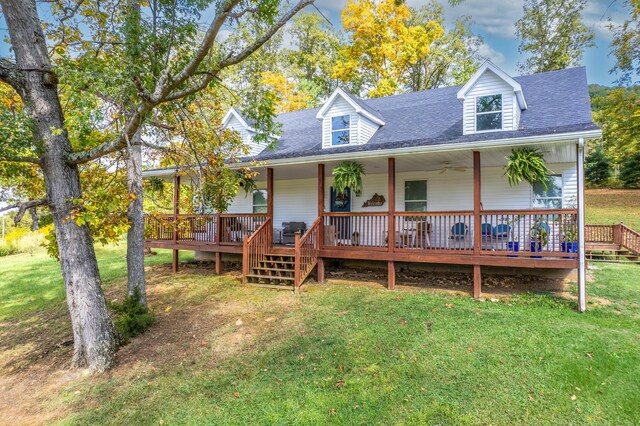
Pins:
x,y
307,247
255,247
629,239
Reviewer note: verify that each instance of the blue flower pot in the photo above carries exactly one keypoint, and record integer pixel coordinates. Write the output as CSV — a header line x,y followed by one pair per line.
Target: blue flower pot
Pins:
x,y
571,247
513,246
536,246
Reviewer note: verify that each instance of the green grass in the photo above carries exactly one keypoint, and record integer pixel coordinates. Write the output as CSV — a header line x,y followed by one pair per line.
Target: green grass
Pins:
x,y
610,206
352,355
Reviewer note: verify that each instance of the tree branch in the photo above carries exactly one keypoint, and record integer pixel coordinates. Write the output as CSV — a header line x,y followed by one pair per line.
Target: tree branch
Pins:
x,y
23,207
10,74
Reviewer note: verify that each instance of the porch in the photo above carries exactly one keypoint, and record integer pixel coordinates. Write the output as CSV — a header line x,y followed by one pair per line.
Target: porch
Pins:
x,y
489,227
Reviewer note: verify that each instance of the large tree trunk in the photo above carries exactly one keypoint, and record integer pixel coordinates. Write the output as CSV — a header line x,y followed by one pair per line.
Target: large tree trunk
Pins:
x,y
135,235
94,335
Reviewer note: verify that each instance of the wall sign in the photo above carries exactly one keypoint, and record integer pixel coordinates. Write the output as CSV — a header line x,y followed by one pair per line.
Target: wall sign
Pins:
x,y
375,201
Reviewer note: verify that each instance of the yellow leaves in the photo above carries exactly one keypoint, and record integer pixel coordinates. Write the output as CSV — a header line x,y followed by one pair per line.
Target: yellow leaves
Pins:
x,y
290,98
383,44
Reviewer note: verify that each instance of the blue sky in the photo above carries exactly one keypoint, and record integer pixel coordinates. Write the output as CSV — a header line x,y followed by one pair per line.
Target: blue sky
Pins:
x,y
494,21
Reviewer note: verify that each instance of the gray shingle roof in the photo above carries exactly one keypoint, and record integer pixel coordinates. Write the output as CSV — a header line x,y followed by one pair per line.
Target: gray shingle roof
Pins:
x,y
558,102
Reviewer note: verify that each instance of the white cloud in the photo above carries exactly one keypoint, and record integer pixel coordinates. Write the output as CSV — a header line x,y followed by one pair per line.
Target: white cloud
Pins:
x,y
488,52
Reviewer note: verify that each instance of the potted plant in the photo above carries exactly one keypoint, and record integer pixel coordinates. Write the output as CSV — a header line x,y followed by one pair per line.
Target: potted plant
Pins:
x,y
539,236
527,164
569,233
348,174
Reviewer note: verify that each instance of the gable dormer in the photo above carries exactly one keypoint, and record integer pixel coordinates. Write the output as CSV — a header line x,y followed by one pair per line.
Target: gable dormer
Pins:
x,y
347,120
234,120
492,101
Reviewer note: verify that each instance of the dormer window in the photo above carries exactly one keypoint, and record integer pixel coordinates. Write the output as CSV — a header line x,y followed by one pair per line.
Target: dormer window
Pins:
x,y
488,113
340,130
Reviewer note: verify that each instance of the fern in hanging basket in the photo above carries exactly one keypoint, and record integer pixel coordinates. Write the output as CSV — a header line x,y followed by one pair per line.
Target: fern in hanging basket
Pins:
x,y
527,164
348,174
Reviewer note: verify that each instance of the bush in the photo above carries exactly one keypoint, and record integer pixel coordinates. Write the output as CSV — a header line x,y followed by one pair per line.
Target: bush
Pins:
x,y
21,240
630,171
7,250
132,317
597,168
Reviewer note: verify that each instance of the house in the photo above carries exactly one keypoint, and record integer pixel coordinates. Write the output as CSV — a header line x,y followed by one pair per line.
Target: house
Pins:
x,y
434,189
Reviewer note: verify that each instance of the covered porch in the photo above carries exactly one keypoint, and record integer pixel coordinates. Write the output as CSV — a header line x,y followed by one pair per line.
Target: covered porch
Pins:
x,y
468,215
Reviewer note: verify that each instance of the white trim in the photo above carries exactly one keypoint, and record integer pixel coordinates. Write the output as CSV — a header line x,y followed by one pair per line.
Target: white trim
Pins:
x,y
347,97
477,145
234,112
488,65
582,267
331,130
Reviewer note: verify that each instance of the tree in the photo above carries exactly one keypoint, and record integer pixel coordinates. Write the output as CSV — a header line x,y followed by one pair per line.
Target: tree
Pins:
x,y
453,57
617,111
597,168
552,35
383,45
186,68
626,45
311,60
630,171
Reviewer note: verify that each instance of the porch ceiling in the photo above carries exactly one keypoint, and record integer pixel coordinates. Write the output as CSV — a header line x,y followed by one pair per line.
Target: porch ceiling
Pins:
x,y
495,157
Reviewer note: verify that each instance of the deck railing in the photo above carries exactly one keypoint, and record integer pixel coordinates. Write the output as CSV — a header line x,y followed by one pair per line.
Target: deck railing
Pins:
x,y
256,246
434,231
598,233
535,233
307,248
346,230
202,228
629,239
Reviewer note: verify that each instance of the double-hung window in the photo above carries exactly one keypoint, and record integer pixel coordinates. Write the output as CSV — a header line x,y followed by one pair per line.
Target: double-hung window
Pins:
x,y
488,113
260,201
340,130
551,198
415,196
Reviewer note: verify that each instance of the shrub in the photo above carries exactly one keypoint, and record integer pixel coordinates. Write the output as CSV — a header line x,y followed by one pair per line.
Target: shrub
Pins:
x,y
132,317
597,168
630,171
7,250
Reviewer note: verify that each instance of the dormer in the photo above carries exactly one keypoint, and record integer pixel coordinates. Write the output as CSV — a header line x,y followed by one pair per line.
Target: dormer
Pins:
x,y
492,101
234,120
347,120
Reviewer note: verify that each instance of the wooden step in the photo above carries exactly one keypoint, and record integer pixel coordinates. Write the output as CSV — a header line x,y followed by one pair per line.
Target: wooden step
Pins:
x,y
274,286
270,278
279,262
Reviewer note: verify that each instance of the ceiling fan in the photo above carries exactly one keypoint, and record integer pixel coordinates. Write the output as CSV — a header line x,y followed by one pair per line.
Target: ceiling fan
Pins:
x,y
446,165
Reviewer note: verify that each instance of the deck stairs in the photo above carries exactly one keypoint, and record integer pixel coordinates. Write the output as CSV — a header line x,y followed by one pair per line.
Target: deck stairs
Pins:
x,y
274,270
613,253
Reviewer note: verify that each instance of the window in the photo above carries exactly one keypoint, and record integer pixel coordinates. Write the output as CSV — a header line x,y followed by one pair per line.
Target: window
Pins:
x,y
259,201
415,196
551,198
488,113
340,130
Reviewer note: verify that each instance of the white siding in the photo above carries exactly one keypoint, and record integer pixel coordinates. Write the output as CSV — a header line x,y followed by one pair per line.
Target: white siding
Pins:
x,y
490,84
361,128
246,135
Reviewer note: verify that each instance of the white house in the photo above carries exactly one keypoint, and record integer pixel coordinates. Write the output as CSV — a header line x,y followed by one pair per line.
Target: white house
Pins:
x,y
435,157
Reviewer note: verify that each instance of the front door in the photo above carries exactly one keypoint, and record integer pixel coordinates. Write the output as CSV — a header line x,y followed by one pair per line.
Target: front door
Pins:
x,y
341,225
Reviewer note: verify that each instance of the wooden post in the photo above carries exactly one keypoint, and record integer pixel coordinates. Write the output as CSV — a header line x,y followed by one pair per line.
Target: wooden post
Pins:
x,y
320,270
176,212
391,279
270,200
477,222
218,263
296,274
391,174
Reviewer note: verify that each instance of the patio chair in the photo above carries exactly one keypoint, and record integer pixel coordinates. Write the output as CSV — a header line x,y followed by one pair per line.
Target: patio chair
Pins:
x,y
502,234
488,231
289,230
459,233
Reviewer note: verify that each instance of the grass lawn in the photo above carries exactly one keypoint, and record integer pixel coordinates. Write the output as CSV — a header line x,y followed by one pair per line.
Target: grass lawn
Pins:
x,y
609,206
221,353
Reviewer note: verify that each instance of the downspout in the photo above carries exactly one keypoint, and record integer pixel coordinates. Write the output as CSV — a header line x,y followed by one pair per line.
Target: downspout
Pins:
x,y
582,270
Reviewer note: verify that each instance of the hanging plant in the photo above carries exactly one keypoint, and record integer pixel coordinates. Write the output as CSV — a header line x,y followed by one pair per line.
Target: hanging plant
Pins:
x,y
527,164
348,174
246,181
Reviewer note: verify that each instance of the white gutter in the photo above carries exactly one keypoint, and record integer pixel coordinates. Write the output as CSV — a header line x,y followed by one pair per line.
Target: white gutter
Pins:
x,y
477,145
582,272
